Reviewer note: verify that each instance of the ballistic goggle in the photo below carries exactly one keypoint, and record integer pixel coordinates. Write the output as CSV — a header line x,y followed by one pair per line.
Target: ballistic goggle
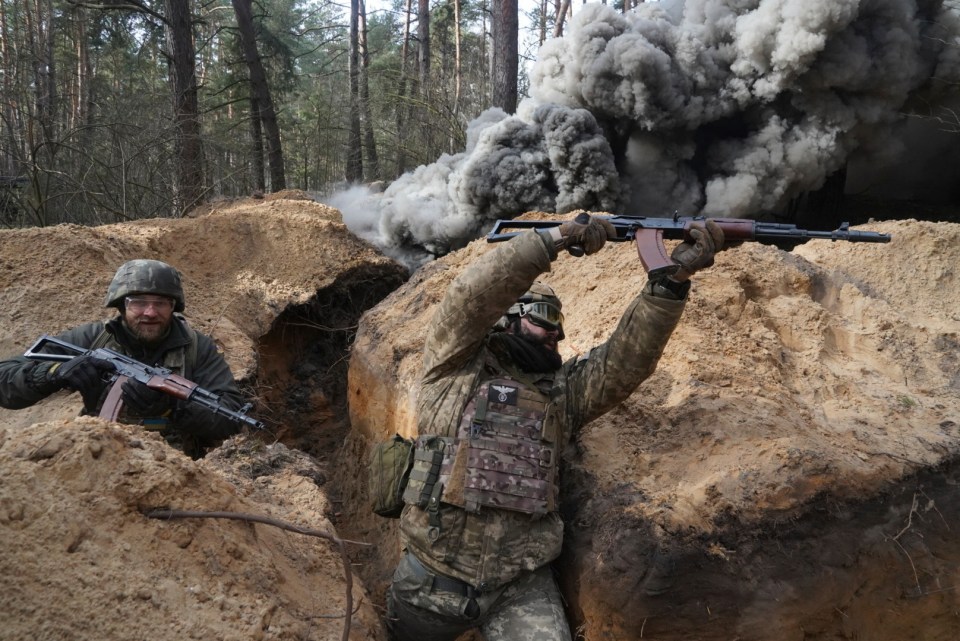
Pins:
x,y
546,315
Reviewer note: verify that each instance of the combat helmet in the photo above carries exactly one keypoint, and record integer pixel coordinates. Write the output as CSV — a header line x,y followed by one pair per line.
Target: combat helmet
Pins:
x,y
541,304
143,276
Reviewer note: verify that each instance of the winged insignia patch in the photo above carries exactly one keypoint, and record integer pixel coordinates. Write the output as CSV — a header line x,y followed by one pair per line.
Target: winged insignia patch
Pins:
x,y
503,394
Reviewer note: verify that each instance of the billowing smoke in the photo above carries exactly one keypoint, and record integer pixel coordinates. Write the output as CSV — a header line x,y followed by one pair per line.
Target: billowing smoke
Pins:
x,y
722,107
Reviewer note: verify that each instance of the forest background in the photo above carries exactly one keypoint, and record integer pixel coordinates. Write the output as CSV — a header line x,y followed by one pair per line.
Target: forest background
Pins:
x,y
122,109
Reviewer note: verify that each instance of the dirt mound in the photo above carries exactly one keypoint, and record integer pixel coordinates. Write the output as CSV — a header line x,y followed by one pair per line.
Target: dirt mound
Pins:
x,y
82,560
242,263
797,386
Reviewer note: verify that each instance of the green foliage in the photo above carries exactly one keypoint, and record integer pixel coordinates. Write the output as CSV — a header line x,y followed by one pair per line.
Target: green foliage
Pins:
x,y
906,402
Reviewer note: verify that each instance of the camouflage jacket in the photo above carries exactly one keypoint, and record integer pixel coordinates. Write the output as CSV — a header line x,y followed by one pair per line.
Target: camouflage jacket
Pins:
x,y
191,428
490,547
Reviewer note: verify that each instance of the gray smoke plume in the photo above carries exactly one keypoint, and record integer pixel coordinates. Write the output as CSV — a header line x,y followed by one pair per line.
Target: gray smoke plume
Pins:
x,y
721,107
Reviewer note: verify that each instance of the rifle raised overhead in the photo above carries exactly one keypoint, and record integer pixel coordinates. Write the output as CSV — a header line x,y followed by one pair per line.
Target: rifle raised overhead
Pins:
x,y
649,234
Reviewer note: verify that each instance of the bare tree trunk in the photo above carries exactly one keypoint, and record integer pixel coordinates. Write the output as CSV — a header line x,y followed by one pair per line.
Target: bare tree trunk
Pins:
x,y
354,168
369,142
80,111
37,34
423,38
504,30
182,55
423,67
258,81
543,23
484,53
47,78
256,139
40,125
402,103
561,15
9,163
458,61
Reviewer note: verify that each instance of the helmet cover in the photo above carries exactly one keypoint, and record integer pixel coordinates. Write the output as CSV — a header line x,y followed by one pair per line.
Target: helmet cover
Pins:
x,y
143,276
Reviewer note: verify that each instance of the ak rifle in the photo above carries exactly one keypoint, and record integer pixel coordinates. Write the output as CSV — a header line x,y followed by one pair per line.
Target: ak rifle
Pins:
x,y
649,234
154,377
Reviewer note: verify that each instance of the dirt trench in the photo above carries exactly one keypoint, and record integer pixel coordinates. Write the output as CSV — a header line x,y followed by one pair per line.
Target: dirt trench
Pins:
x,y
279,284
301,388
884,568
301,383
874,569
302,395
788,472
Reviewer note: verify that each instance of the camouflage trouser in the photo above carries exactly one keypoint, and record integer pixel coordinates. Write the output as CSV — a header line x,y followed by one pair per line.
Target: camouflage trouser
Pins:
x,y
423,607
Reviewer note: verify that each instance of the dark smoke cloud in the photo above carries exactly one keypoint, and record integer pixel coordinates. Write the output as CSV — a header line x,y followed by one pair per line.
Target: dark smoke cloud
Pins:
x,y
722,107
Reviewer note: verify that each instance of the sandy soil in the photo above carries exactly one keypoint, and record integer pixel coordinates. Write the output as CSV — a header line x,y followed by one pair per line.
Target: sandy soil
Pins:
x,y
787,473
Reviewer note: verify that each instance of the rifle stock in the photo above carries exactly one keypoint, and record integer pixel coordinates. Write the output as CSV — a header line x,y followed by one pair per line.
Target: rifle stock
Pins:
x,y
649,234
154,377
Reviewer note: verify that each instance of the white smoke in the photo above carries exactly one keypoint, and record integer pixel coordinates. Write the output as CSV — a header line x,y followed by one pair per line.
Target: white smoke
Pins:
x,y
725,107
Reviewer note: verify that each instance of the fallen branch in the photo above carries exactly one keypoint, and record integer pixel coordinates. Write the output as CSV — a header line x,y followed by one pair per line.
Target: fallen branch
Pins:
x,y
164,513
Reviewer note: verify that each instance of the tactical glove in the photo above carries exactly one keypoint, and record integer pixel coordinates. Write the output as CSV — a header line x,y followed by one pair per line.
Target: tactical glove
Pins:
x,y
141,400
585,234
85,374
706,239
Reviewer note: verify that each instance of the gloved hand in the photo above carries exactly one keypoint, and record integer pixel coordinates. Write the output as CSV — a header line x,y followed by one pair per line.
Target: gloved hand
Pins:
x,y
707,240
586,232
141,400
85,374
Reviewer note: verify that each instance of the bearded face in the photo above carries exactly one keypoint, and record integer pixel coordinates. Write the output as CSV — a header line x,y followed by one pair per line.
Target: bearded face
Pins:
x,y
148,317
547,338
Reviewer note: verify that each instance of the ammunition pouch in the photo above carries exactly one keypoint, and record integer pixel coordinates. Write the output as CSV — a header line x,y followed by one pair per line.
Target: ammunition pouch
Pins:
x,y
422,485
390,465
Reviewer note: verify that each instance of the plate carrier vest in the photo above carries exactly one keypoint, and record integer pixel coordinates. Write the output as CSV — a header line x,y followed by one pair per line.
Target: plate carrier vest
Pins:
x,y
504,454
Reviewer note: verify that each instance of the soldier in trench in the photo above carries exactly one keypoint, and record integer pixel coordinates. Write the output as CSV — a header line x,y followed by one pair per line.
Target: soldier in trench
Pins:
x,y
480,525
149,327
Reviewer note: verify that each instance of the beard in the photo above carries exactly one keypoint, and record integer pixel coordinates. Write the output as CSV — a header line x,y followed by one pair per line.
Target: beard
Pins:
x,y
546,343
531,353
148,333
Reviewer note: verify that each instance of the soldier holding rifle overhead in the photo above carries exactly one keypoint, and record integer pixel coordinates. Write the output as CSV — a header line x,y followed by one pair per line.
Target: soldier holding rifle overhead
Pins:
x,y
496,406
